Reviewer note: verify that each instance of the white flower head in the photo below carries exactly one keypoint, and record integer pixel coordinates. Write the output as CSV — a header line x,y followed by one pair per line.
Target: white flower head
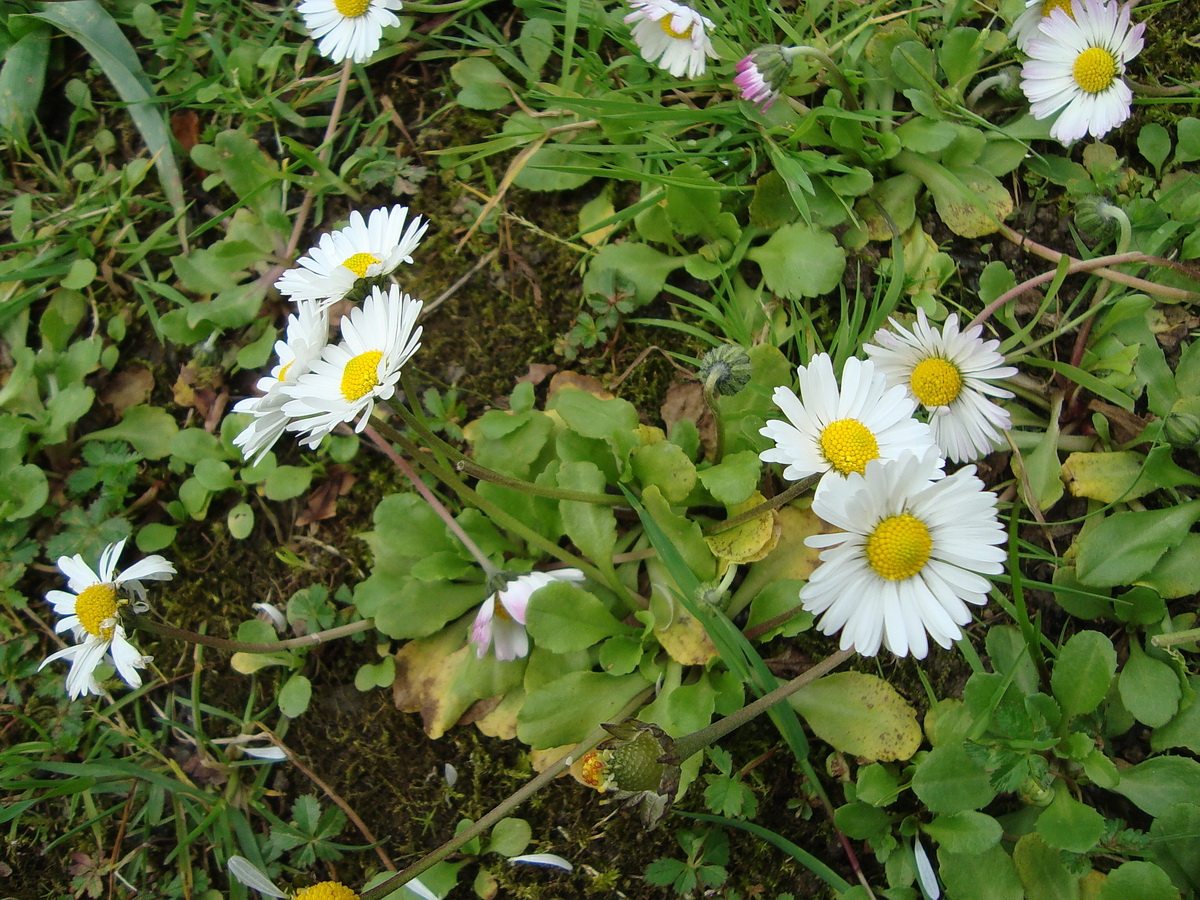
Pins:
x,y
501,619
378,338
1027,25
837,431
250,875
1076,65
910,556
671,35
348,29
363,249
307,334
950,373
89,609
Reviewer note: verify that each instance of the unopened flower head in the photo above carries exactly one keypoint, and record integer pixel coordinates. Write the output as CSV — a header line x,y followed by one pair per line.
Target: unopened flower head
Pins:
x,y
90,612
638,764
837,431
1028,24
763,74
307,334
378,338
910,555
672,35
501,619
950,373
1076,65
361,250
726,368
348,29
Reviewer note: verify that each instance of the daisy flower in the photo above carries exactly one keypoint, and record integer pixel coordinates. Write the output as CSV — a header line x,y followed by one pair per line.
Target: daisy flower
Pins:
x,y
1027,26
360,250
671,35
910,556
1076,65
763,73
307,334
89,610
377,339
502,616
838,431
251,876
948,372
348,29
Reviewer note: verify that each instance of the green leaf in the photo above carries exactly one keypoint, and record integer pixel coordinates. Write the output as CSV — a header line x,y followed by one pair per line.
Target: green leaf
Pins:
x,y
483,86
21,81
1173,841
734,479
1068,824
563,617
295,695
155,536
1042,870
824,262
1083,672
1184,729
949,781
620,655
1137,881
990,875
509,837
1149,688
692,207
148,429
240,522
1156,785
860,714
566,710
965,832
1143,536
286,482
666,466
592,528
404,607
1177,574
376,675
23,491
1155,144
640,267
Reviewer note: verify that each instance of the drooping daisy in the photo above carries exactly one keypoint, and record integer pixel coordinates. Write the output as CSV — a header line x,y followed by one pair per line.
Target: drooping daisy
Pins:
x,y
348,29
838,431
89,611
763,73
671,35
360,250
1076,65
910,556
502,617
251,876
307,334
949,373
1026,28
377,339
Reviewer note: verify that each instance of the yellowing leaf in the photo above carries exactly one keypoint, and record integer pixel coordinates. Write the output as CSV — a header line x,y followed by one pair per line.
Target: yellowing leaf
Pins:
x,y
860,714
750,541
1107,477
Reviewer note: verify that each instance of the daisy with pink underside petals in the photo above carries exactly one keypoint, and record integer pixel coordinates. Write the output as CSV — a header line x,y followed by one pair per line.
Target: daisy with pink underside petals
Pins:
x,y
1076,65
501,619
671,35
763,74
909,556
950,373
836,431
90,612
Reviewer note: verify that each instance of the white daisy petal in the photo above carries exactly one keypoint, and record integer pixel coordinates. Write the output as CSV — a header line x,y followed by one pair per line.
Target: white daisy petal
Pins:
x,y
348,29
501,619
671,35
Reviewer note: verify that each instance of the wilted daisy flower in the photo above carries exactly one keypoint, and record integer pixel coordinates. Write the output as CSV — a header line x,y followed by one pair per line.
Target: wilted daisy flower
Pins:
x,y
948,372
671,35
1026,28
377,339
1076,65
90,609
348,29
502,617
307,334
763,73
838,431
360,250
908,556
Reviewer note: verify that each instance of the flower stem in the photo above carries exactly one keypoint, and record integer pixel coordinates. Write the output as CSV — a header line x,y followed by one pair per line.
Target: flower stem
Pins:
x,y
308,640
831,67
710,398
503,808
765,507
489,569
698,740
1173,639
483,473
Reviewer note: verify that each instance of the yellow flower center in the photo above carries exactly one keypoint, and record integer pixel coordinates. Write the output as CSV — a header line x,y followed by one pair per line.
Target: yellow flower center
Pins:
x,y
95,606
1049,6
499,612
352,9
361,375
326,890
685,35
899,547
359,262
936,381
848,445
592,768
1095,69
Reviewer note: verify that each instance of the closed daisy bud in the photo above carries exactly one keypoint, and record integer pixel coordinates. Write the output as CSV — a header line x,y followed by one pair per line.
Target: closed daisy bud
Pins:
x,y
727,368
763,74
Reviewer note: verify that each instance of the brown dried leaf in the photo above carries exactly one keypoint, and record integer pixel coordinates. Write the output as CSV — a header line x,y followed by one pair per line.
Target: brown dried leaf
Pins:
x,y
566,379
322,501
127,388
685,400
538,372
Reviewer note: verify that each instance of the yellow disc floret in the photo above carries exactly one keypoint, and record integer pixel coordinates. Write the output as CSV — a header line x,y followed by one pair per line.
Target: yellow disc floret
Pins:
x,y
352,9
1049,6
591,770
685,35
848,445
1095,69
95,606
361,375
936,381
326,890
359,262
899,547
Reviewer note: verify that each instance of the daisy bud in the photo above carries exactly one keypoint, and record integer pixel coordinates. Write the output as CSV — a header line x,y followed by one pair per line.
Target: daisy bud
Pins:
x,y
638,764
1181,428
763,74
727,368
